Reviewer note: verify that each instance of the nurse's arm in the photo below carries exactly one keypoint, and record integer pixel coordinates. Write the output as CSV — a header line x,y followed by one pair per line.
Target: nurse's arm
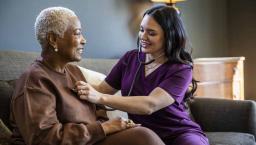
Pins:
x,y
144,105
105,88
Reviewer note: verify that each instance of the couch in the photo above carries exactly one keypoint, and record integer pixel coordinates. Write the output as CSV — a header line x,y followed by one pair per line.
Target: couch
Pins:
x,y
225,122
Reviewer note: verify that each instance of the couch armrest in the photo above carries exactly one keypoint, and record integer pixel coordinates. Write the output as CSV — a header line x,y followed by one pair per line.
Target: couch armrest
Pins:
x,y
220,115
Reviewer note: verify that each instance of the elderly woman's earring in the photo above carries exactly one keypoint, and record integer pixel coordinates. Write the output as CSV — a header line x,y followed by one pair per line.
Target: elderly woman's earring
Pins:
x,y
55,49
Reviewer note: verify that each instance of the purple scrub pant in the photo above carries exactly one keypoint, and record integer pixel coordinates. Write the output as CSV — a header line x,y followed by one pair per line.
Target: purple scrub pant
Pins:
x,y
188,139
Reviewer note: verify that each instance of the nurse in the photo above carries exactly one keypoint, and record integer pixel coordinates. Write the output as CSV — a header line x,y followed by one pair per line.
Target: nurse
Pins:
x,y
154,80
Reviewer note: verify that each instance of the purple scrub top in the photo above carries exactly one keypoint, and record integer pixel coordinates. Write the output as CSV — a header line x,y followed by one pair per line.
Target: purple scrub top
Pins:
x,y
174,78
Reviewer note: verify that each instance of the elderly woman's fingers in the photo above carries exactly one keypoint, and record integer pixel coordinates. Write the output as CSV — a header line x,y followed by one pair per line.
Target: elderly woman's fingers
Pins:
x,y
117,124
128,123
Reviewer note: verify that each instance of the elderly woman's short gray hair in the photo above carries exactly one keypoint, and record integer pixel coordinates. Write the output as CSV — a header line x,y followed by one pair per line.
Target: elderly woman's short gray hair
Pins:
x,y
52,19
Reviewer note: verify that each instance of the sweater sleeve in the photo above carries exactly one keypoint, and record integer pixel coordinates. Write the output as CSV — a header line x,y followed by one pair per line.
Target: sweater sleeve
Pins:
x,y
36,117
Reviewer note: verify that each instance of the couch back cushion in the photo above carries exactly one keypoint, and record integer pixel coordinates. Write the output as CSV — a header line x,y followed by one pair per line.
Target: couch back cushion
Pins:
x,y
99,65
14,63
212,113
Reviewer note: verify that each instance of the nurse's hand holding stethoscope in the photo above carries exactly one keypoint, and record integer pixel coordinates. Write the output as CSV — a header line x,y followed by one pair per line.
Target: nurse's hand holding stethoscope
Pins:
x,y
86,92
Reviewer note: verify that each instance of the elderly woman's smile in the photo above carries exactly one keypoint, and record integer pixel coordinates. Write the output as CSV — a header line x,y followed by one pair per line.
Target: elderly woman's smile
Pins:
x,y
72,44
61,38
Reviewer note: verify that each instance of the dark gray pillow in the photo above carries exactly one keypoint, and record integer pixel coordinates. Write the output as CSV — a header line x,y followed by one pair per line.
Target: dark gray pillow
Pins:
x,y
5,134
5,97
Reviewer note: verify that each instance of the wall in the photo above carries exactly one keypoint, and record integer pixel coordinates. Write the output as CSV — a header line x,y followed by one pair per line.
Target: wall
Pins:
x,y
206,23
242,39
106,25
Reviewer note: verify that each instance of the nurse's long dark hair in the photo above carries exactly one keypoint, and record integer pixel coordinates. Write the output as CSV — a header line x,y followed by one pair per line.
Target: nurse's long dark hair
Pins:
x,y
177,49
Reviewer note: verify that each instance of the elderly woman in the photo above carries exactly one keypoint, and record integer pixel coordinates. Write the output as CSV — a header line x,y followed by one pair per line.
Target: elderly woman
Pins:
x,y
45,109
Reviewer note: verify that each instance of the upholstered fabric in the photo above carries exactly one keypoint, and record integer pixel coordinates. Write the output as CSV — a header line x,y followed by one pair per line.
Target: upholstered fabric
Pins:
x,y
230,138
5,134
5,95
13,64
92,77
219,115
99,65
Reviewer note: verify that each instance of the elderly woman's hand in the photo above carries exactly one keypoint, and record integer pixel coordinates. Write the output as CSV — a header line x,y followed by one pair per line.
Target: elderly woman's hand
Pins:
x,y
117,124
87,92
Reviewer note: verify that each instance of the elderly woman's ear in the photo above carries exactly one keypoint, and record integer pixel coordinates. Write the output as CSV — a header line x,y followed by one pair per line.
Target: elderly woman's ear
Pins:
x,y
52,40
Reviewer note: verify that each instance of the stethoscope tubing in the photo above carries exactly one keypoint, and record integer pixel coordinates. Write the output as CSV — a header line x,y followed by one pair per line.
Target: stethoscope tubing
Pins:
x,y
138,69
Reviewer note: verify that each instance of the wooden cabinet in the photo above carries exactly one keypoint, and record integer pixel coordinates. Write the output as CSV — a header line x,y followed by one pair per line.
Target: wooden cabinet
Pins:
x,y
220,77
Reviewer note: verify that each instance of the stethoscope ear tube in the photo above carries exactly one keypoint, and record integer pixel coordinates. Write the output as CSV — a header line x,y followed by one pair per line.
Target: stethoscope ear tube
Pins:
x,y
138,69
134,79
140,61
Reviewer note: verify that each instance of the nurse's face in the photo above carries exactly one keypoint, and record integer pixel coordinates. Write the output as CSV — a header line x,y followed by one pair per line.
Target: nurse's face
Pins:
x,y
151,36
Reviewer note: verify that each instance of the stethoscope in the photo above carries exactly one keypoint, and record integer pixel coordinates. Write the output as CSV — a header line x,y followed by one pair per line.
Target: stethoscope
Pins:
x,y
139,67
135,77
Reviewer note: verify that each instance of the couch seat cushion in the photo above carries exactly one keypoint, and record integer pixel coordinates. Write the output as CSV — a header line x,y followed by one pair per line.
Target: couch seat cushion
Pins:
x,y
230,138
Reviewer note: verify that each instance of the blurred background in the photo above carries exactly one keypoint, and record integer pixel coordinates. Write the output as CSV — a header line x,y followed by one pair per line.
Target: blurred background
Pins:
x,y
216,28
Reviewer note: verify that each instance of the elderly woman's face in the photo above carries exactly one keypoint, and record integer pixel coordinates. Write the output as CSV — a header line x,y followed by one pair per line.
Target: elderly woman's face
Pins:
x,y
71,46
